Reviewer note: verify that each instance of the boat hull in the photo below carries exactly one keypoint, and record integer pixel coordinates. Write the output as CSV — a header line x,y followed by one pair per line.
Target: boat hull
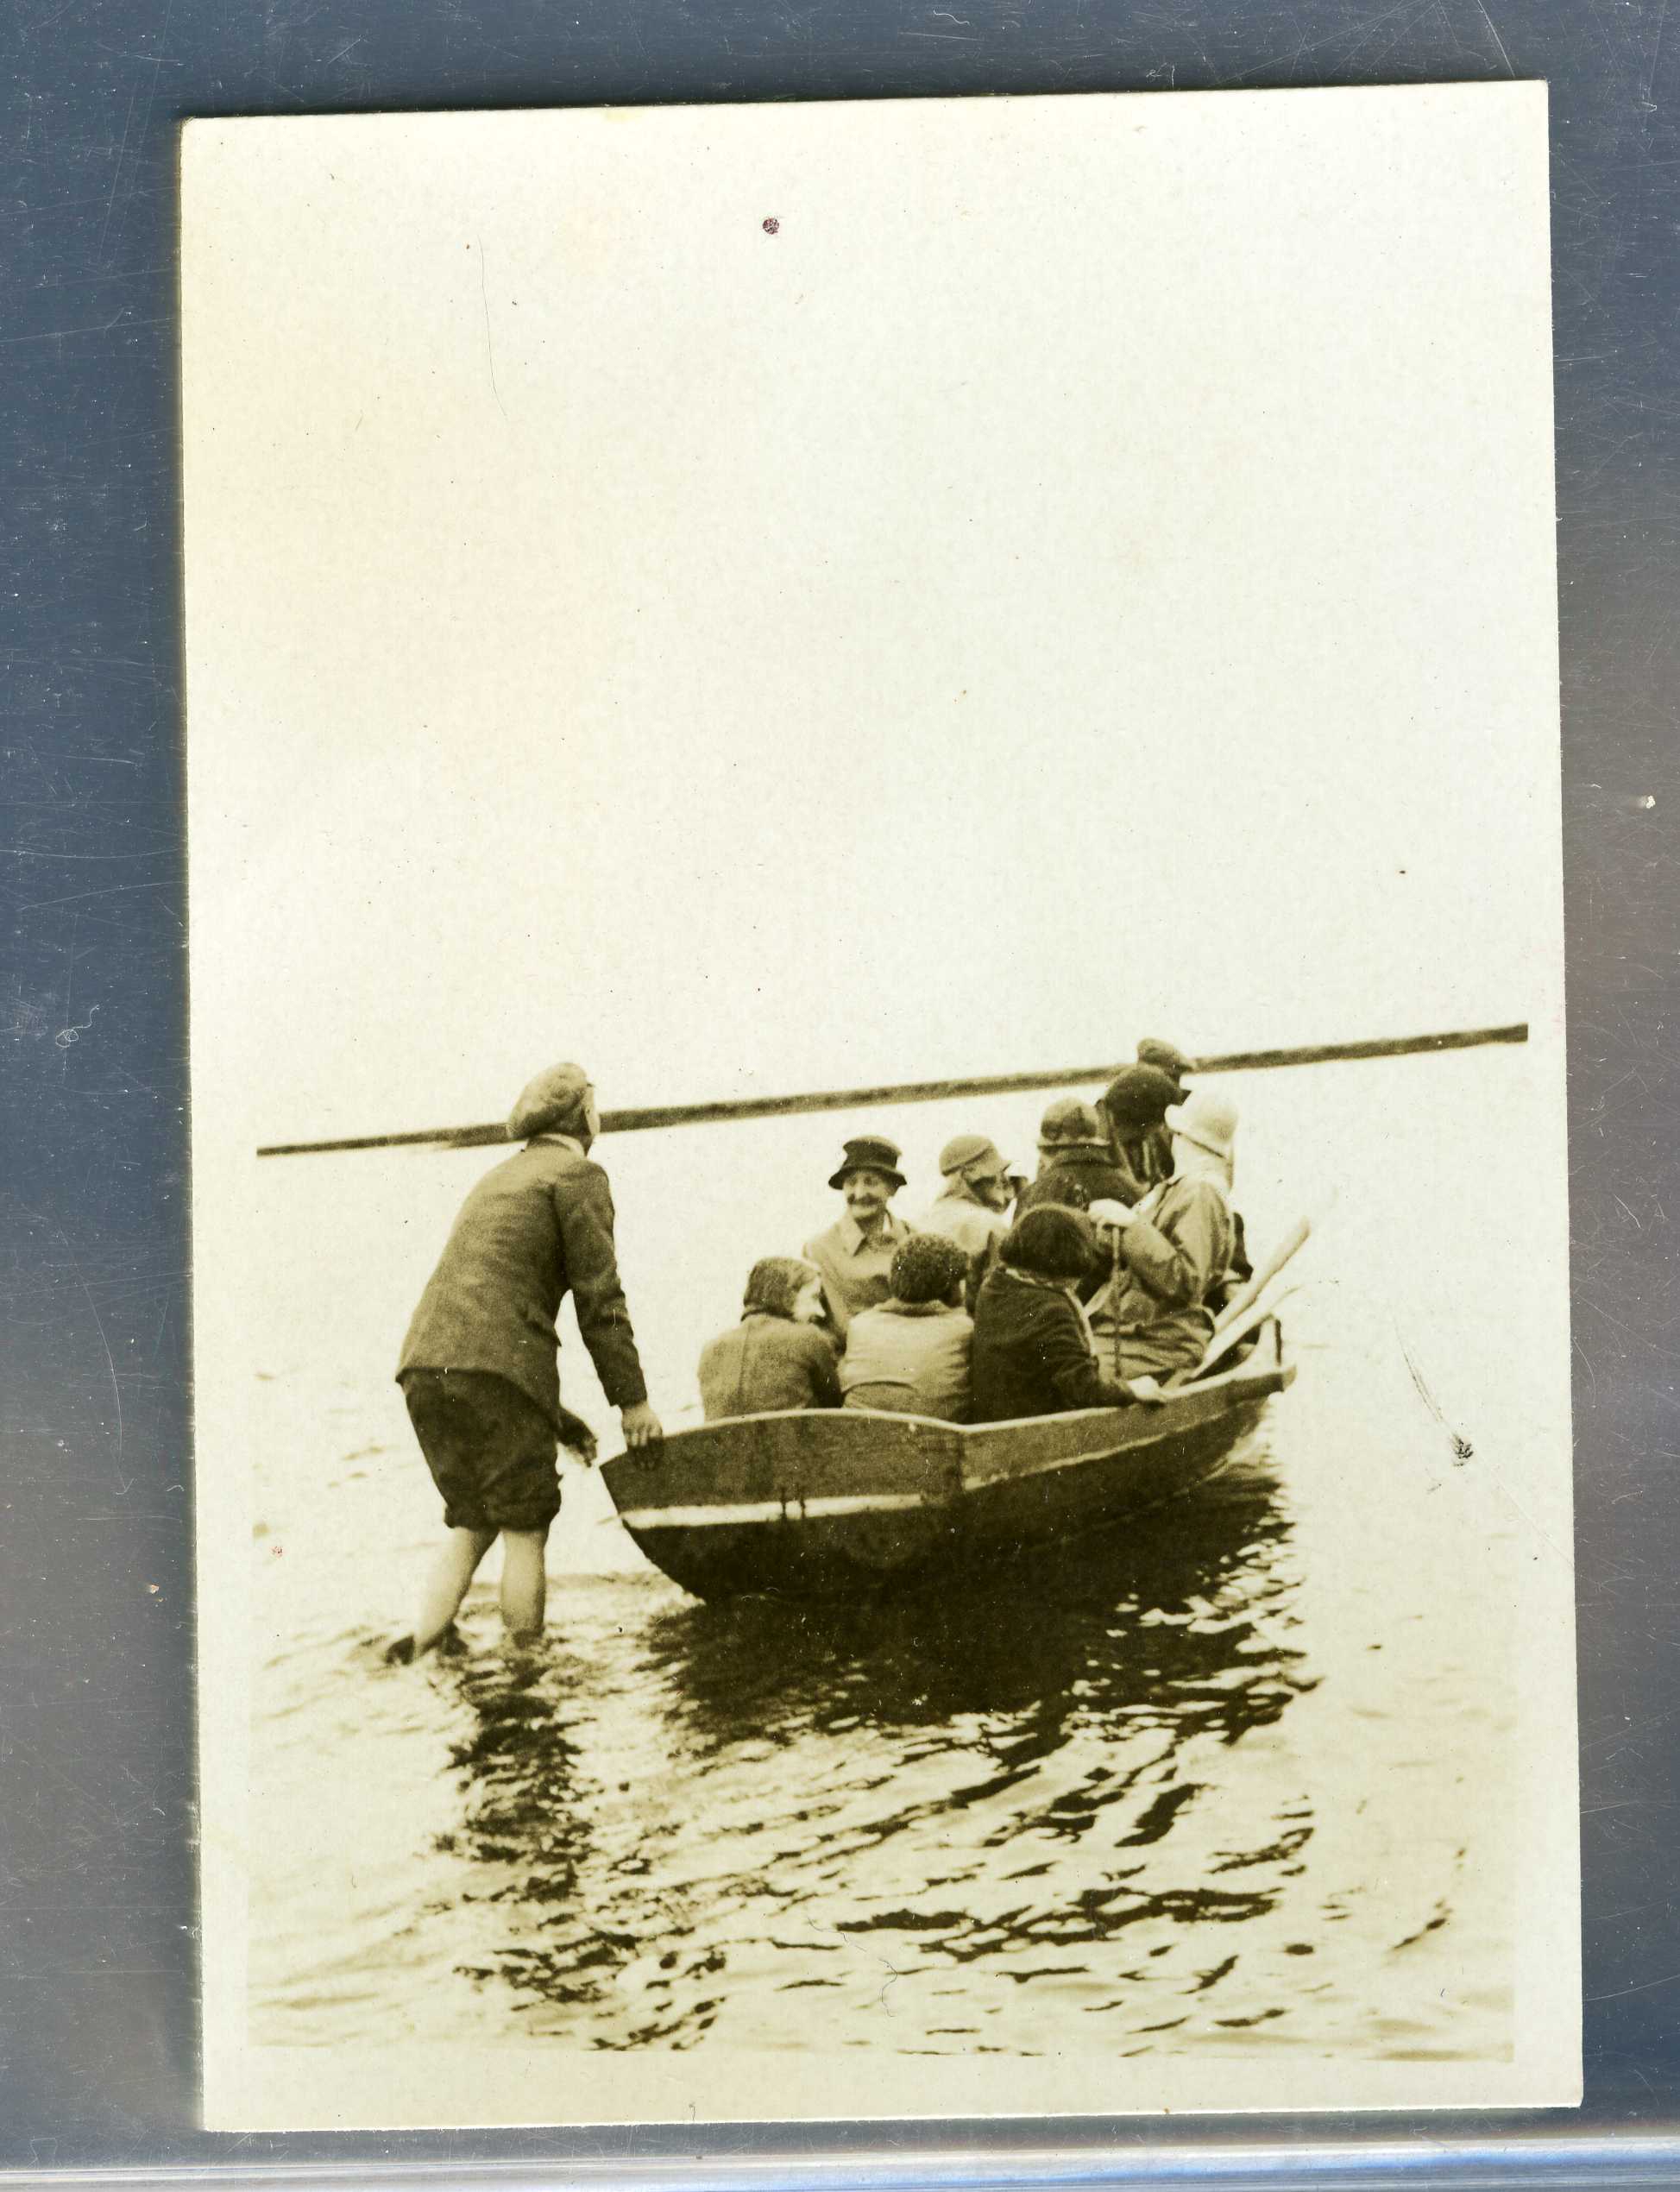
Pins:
x,y
824,1503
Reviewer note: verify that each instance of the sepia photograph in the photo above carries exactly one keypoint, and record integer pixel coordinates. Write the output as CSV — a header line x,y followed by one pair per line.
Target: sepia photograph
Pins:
x,y
880,1195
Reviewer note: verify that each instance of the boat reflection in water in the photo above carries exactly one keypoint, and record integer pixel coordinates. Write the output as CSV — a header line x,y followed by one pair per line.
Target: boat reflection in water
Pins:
x,y
984,1815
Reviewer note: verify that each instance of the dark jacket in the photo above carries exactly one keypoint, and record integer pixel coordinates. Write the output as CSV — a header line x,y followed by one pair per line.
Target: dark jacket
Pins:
x,y
766,1363
1148,1158
1030,1355
533,1230
1078,1177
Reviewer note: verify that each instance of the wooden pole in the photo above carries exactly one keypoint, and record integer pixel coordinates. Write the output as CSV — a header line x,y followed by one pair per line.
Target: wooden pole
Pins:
x,y
913,1091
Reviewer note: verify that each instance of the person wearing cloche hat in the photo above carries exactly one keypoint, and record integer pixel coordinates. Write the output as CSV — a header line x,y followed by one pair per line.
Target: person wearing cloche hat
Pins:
x,y
1167,1058
970,1208
1134,1104
853,1258
1171,1060
1177,1249
479,1371
1078,1164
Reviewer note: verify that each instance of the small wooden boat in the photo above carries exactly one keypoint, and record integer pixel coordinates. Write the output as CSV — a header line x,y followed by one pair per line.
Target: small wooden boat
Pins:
x,y
827,1503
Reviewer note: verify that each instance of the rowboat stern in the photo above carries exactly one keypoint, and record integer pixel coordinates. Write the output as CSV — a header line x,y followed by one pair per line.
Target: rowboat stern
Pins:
x,y
811,1500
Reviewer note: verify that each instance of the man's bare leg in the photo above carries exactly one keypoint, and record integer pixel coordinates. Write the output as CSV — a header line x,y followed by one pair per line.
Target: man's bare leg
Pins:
x,y
453,1570
524,1583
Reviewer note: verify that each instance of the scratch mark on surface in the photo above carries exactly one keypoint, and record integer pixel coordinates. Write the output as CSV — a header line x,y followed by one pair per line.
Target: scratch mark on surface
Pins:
x,y
1498,41
490,345
1641,1987
116,1386
75,1030
1462,1447
111,890
1650,78
65,1020
121,154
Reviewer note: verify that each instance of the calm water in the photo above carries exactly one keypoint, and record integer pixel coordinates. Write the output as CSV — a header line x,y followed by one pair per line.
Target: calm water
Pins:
x,y
1232,1781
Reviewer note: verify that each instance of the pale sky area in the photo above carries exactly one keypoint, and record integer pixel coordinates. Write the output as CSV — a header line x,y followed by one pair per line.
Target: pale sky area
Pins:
x,y
1083,575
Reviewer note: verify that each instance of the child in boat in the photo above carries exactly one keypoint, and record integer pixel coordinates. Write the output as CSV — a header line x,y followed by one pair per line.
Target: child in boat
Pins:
x,y
1032,1352
910,1355
776,1356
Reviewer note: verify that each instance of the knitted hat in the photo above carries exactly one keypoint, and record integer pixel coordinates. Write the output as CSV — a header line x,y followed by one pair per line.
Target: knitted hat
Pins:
x,y
556,1102
870,1153
1139,1098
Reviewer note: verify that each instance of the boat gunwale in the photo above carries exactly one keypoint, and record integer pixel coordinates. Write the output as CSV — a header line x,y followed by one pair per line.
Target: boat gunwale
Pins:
x,y
1264,1372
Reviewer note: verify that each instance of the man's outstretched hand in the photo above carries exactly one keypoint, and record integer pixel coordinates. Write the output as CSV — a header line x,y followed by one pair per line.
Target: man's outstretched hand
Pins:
x,y
641,1426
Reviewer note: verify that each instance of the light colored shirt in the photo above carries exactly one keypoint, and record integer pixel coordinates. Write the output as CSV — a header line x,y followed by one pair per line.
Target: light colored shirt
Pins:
x,y
911,1356
854,1270
958,1218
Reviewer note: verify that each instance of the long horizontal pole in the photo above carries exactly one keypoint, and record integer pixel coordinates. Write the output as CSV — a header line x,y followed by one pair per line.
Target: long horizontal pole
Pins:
x,y
909,1092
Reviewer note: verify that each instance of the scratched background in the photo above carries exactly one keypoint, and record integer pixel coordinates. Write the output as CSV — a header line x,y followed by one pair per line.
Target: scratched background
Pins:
x,y
97,2032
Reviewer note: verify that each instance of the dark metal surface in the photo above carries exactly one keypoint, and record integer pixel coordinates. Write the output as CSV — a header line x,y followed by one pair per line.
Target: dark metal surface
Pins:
x,y
97,1995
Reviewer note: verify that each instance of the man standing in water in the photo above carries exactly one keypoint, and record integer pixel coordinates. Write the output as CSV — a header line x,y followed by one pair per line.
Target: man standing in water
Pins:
x,y
478,1370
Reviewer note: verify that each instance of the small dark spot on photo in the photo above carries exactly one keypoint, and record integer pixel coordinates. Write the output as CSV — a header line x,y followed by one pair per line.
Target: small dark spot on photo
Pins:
x,y
771,224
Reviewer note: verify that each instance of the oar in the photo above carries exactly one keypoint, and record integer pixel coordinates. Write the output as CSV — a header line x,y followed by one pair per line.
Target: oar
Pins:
x,y
1295,1238
911,1092
1236,1321
1231,1336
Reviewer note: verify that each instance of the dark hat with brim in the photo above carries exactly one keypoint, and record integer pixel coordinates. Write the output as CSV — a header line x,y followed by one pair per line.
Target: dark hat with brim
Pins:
x,y
870,1153
1139,1098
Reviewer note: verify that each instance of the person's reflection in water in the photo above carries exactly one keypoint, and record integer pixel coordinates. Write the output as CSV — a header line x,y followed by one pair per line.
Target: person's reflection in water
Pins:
x,y
525,1825
561,1784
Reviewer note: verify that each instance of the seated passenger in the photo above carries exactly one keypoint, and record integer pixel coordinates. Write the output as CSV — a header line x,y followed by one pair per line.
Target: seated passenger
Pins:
x,y
1174,1063
910,1356
776,1358
1176,1257
970,1208
1171,1060
1032,1352
1077,1165
1132,1106
854,1256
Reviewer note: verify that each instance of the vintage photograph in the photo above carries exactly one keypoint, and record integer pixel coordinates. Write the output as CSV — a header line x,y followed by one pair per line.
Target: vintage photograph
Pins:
x,y
879,1181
